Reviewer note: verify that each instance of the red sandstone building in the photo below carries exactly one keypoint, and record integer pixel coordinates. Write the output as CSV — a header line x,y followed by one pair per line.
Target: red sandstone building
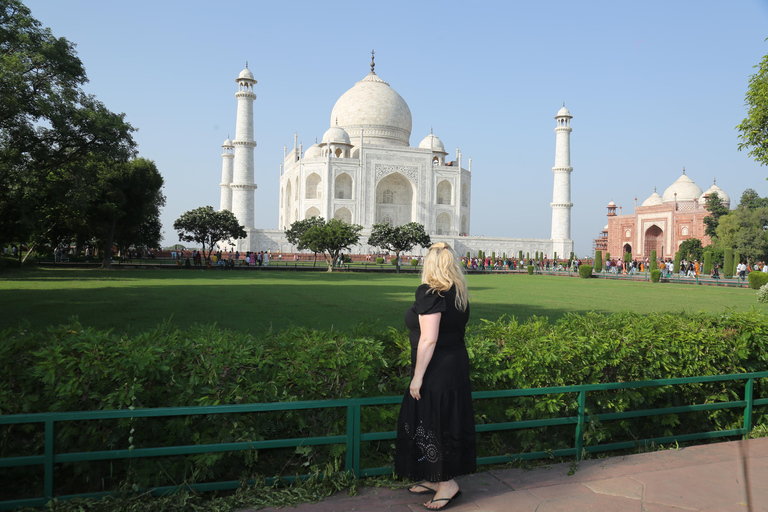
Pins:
x,y
661,223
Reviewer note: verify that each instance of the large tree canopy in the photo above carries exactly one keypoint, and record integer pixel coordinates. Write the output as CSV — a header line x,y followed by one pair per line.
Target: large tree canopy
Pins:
x,y
399,239
50,130
331,237
716,210
753,130
296,234
206,226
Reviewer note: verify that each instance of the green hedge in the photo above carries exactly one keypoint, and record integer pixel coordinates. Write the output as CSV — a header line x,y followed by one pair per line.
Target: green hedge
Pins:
x,y
72,368
655,275
585,271
379,260
598,261
530,270
757,279
728,266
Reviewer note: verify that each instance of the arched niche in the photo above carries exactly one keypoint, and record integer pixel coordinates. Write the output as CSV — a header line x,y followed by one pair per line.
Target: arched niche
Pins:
x,y
312,212
464,195
343,186
313,188
443,224
394,200
444,192
654,238
343,214
464,227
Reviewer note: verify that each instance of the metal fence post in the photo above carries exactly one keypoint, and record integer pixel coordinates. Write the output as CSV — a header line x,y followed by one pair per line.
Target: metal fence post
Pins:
x,y
580,424
748,408
48,471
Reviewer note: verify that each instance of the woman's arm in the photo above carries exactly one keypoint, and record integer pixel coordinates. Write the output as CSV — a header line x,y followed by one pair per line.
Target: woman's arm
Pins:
x,y
430,327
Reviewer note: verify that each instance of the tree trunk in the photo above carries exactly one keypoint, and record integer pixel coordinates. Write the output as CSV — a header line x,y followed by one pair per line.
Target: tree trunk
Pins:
x,y
397,262
106,261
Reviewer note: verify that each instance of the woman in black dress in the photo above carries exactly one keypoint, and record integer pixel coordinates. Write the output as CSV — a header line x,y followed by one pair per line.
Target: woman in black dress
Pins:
x,y
436,428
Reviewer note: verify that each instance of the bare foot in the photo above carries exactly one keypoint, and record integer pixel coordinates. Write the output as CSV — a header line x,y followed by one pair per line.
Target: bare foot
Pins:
x,y
445,491
419,488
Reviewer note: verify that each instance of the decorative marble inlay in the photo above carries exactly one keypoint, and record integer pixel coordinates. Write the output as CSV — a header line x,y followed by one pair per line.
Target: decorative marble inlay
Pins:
x,y
408,171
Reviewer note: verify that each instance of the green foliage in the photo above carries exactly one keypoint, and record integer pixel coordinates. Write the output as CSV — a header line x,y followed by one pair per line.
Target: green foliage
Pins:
x,y
520,255
331,237
757,279
399,239
707,263
751,200
530,270
585,271
598,261
676,265
753,130
655,275
379,260
554,257
691,249
296,234
654,260
627,257
744,230
395,262
728,263
207,227
414,262
762,293
716,210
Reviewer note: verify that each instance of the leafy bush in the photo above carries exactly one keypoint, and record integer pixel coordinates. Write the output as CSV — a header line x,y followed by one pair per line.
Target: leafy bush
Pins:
x,y
379,260
393,262
414,262
654,261
585,271
707,263
762,293
655,275
530,270
757,279
598,261
728,266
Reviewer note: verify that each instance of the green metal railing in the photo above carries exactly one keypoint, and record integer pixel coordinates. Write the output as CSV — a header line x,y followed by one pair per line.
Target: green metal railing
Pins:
x,y
354,436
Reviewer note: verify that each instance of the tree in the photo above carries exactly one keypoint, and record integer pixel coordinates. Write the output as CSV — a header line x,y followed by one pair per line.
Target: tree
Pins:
x,y
49,128
332,238
206,226
744,230
750,200
691,249
716,210
399,239
754,128
295,234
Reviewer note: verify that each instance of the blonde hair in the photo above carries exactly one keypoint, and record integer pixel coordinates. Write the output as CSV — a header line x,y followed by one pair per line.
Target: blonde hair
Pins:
x,y
442,270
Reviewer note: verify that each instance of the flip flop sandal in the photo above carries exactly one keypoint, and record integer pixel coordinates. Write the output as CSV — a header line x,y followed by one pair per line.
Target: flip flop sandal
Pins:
x,y
447,500
426,491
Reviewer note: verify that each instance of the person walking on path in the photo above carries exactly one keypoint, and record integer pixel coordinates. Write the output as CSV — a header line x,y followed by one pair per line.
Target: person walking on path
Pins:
x,y
436,427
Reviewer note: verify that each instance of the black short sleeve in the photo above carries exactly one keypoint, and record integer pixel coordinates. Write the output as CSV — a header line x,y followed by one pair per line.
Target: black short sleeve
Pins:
x,y
428,301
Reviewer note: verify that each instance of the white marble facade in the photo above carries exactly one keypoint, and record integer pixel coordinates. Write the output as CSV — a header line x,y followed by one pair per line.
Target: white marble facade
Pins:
x,y
364,171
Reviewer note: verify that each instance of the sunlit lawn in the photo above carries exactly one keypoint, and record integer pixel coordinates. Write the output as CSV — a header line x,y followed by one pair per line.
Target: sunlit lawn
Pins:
x,y
135,300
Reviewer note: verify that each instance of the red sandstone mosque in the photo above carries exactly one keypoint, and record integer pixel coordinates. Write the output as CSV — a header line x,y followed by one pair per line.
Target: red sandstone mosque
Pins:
x,y
661,223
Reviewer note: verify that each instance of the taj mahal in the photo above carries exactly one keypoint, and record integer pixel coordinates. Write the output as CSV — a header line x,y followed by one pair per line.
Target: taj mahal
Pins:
x,y
364,171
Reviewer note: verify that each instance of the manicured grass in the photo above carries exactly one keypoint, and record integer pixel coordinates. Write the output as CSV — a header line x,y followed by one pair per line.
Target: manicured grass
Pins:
x,y
136,300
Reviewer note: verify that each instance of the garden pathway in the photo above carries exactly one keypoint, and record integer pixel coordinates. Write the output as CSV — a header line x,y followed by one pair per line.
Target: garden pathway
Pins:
x,y
702,478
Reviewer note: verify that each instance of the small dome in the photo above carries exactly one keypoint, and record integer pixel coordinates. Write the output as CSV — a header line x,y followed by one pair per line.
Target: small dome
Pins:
x,y
654,200
434,143
724,198
605,228
313,151
227,144
335,135
611,205
563,112
685,188
246,73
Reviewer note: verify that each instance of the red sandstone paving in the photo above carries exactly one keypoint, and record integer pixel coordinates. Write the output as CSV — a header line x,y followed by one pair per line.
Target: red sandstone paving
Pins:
x,y
623,487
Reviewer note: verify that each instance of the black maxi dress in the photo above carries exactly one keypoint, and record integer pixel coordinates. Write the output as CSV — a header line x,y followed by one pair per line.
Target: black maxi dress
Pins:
x,y
436,434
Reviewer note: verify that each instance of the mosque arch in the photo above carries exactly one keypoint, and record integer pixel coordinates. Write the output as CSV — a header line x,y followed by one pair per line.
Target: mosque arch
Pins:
x,y
312,212
444,192
282,196
394,200
313,188
435,161
338,153
296,214
654,237
343,214
343,186
628,248
444,224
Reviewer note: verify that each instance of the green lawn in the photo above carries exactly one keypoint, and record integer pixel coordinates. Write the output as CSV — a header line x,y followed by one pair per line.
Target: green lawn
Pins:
x,y
136,300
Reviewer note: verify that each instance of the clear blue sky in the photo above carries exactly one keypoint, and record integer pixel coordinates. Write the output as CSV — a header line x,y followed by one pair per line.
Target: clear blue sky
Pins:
x,y
653,86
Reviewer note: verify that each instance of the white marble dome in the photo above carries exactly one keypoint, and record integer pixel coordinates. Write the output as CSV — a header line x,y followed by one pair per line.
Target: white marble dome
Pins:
x,y
335,135
246,73
654,200
685,188
724,198
611,204
313,151
228,144
563,112
373,107
432,142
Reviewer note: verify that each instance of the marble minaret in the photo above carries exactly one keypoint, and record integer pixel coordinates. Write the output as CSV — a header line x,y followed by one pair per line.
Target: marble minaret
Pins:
x,y
227,161
242,178
561,195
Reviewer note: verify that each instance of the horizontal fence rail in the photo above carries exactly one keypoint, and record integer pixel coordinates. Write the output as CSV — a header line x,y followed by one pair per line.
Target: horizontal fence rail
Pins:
x,y
354,436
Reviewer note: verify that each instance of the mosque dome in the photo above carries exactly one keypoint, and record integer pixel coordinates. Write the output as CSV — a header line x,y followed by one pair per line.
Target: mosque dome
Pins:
x,y
313,151
335,135
432,142
611,204
246,73
227,144
373,107
563,112
724,198
685,189
654,200
605,228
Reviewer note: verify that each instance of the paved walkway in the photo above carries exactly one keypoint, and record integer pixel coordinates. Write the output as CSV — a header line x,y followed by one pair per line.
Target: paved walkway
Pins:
x,y
704,478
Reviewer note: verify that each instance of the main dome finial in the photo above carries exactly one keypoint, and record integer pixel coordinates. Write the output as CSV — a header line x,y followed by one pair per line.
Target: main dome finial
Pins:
x,y
373,64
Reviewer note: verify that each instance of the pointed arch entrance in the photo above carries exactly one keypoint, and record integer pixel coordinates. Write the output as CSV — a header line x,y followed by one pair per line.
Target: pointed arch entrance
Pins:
x,y
654,238
394,200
